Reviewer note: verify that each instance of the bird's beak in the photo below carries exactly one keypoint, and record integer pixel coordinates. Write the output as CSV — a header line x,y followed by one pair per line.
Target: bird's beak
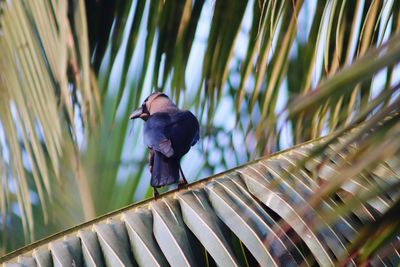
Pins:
x,y
136,114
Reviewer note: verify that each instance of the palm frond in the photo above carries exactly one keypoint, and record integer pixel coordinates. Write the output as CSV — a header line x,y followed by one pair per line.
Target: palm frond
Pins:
x,y
44,88
266,207
267,74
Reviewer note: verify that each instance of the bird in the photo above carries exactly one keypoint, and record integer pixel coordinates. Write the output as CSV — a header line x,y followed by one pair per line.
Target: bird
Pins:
x,y
168,133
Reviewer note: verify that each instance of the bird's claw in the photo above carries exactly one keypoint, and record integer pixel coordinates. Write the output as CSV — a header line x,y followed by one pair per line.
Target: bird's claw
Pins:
x,y
182,184
155,193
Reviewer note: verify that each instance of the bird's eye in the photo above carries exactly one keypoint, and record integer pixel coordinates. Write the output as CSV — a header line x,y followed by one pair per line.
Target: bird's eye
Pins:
x,y
144,108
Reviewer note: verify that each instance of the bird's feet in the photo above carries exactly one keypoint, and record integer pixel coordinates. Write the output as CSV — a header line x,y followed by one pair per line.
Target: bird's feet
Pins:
x,y
181,184
155,193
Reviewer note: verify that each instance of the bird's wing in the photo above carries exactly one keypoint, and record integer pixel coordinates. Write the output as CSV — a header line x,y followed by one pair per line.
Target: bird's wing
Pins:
x,y
196,138
191,124
154,134
165,147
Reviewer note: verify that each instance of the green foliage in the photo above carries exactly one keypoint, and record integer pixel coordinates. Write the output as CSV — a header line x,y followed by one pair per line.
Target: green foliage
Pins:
x,y
285,71
257,214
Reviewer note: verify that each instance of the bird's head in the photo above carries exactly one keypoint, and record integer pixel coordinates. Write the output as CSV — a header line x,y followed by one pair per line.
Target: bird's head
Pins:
x,y
156,102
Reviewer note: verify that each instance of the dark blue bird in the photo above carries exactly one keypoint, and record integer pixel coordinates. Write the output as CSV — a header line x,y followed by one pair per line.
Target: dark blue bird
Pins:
x,y
168,133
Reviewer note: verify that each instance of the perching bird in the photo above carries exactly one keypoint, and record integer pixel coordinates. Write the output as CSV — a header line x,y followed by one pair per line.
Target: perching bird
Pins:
x,y
168,133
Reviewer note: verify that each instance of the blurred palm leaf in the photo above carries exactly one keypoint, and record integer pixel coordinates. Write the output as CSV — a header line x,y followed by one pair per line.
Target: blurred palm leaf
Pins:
x,y
238,66
260,204
45,86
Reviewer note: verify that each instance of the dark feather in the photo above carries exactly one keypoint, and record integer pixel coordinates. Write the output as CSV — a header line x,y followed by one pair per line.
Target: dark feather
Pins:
x,y
170,135
165,170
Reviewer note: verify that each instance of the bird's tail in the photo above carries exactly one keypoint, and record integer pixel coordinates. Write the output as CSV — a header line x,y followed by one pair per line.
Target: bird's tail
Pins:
x,y
165,170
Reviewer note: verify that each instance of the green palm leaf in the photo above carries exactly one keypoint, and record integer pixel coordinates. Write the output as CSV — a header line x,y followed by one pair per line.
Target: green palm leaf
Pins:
x,y
291,71
245,201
